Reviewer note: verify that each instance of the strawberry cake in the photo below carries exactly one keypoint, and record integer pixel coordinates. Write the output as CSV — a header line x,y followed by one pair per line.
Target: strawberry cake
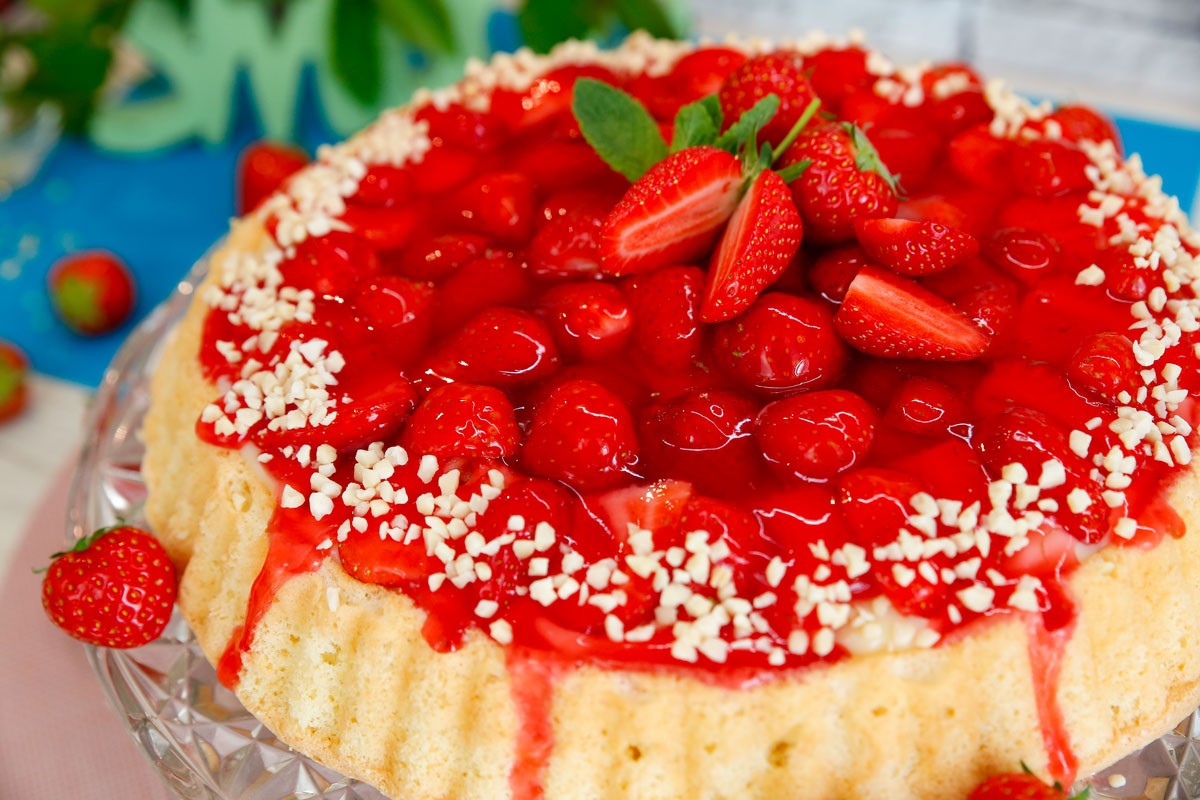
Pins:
x,y
696,421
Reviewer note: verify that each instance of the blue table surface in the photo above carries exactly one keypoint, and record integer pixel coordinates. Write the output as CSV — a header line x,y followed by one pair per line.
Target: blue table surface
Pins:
x,y
161,211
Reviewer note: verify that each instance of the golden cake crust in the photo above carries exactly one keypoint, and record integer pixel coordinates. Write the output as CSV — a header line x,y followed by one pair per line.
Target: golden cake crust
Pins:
x,y
339,669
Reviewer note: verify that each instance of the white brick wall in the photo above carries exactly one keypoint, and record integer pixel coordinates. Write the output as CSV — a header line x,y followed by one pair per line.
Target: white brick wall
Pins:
x,y
1140,56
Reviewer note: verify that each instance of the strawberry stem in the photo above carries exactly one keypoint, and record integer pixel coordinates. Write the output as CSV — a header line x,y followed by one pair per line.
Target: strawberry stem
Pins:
x,y
809,112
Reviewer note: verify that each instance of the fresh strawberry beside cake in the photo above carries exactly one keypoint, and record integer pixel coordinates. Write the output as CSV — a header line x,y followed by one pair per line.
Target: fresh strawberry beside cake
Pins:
x,y
696,421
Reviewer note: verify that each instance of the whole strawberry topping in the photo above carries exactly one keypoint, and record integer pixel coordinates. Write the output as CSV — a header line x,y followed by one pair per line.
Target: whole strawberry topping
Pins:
x,y
1024,254
780,73
781,343
1104,368
704,436
816,435
582,434
114,588
893,317
673,213
758,244
500,204
92,292
262,168
1016,786
666,308
13,369
588,320
914,248
831,274
844,181
464,419
499,347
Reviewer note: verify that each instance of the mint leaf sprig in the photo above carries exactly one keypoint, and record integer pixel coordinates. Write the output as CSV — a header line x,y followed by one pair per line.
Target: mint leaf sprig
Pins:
x,y
628,139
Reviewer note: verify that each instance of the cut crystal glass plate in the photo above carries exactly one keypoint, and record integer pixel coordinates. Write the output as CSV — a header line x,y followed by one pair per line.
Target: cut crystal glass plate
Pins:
x,y
201,739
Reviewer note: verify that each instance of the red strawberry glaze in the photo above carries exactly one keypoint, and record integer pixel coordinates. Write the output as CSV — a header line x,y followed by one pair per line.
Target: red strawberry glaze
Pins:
x,y
508,281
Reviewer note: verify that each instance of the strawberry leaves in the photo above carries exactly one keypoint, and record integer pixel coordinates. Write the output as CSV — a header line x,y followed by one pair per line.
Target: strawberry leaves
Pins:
x,y
618,128
697,123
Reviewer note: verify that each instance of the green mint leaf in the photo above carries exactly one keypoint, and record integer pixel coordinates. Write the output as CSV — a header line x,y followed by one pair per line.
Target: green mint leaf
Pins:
x,y
545,23
866,156
712,104
618,128
749,124
425,23
694,125
646,15
793,171
355,49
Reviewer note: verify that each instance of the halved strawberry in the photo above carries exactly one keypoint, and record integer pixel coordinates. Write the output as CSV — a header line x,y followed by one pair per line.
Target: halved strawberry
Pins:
x,y
464,419
893,317
655,507
499,347
582,434
262,168
673,213
914,248
760,241
13,368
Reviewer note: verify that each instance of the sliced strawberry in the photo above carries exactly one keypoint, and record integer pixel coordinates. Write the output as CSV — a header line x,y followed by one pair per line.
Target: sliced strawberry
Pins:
x,y
656,507
816,435
1103,367
831,274
13,369
914,248
262,168
498,347
780,73
704,436
666,307
590,320
673,213
463,419
92,292
893,317
925,406
760,241
780,344
582,434
844,180
501,204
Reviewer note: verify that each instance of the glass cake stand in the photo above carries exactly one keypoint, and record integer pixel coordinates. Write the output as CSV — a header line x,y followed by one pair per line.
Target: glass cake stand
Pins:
x,y
200,738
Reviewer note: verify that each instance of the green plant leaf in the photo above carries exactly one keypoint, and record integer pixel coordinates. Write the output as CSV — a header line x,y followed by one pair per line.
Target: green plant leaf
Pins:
x,y
793,171
749,124
545,23
355,49
618,128
647,15
694,125
425,23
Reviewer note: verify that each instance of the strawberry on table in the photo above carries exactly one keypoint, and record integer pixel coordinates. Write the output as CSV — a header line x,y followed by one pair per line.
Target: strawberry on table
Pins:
x,y
92,291
13,370
114,588
845,180
262,168
912,248
893,317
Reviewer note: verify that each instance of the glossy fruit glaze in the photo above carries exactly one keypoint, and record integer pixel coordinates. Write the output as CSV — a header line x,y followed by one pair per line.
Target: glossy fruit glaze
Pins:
x,y
869,422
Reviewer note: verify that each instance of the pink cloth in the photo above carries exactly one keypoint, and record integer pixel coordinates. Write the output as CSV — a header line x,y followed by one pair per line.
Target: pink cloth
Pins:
x,y
59,737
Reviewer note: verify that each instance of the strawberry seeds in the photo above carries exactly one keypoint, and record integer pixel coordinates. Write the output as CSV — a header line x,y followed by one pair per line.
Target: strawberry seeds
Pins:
x,y
688,364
